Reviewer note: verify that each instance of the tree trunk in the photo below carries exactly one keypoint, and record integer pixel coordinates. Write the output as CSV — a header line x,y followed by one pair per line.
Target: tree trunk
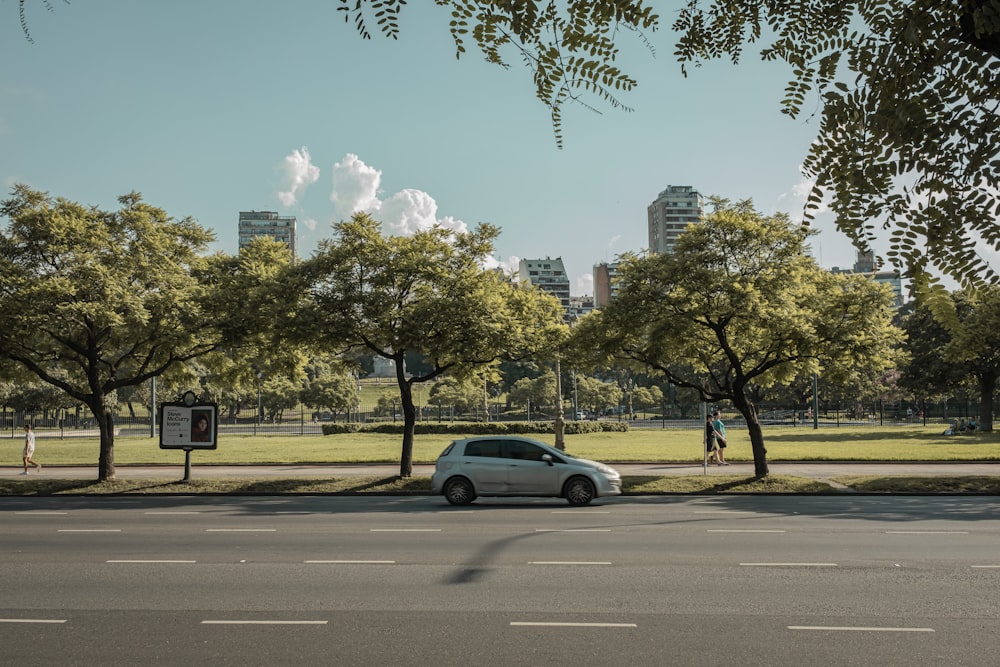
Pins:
x,y
760,468
749,412
486,401
987,387
106,423
409,421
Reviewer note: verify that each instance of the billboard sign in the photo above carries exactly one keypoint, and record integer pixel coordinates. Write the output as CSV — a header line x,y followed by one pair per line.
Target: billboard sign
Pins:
x,y
189,425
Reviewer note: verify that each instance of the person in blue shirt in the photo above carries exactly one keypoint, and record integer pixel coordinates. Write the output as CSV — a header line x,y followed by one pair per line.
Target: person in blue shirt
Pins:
x,y
720,436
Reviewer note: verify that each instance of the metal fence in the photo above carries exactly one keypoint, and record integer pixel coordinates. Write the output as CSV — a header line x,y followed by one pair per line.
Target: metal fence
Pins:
x,y
305,421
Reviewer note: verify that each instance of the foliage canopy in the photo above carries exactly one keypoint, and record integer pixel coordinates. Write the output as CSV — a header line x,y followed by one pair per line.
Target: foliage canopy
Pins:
x,y
737,304
95,301
909,91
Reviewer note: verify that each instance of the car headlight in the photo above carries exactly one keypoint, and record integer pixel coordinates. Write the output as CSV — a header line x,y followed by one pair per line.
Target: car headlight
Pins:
x,y
607,470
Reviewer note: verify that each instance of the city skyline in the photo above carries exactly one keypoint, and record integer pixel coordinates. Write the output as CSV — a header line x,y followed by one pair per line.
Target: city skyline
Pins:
x,y
250,106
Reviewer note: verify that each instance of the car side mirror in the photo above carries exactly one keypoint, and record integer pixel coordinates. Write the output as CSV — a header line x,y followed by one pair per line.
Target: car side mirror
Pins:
x,y
547,458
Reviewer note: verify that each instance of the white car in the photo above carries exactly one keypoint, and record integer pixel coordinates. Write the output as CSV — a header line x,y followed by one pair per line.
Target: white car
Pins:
x,y
515,466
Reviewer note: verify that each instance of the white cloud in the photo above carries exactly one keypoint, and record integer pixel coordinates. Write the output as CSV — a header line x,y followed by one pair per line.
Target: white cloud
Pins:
x,y
794,202
310,224
584,284
410,211
355,187
509,265
297,173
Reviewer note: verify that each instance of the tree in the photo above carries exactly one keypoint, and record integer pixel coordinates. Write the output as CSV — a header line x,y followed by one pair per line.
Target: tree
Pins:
x,y
459,394
952,343
738,303
425,293
647,397
596,395
329,386
92,301
908,134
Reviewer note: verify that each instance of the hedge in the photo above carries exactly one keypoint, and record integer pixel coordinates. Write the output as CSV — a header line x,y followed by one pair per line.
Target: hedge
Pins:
x,y
478,428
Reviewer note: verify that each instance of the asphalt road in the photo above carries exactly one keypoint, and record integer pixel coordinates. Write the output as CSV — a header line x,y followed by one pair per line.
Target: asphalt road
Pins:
x,y
815,470
640,581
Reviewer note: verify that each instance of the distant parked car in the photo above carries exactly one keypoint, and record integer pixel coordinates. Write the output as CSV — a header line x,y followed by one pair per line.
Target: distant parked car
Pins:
x,y
517,466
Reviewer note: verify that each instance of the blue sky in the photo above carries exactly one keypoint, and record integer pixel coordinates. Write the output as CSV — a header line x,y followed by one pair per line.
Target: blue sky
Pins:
x,y
210,108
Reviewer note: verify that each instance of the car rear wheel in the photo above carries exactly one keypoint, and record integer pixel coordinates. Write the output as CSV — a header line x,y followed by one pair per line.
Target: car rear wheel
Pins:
x,y
579,491
459,491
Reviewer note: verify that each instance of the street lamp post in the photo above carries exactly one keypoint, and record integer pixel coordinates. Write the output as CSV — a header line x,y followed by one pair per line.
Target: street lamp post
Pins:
x,y
260,403
560,418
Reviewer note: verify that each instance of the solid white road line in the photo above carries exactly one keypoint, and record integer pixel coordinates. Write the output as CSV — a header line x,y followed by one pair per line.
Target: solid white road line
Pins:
x,y
986,567
570,625
926,532
32,620
789,564
746,530
241,530
172,512
406,530
350,562
89,530
223,622
834,628
572,530
580,512
569,562
150,561
41,513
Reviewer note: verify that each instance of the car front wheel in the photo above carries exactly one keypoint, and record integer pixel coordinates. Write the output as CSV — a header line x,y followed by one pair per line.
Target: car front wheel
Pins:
x,y
459,491
579,491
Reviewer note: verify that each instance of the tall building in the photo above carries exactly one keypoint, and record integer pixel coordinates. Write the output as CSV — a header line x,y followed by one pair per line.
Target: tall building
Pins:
x,y
604,283
865,265
674,209
546,274
578,307
254,224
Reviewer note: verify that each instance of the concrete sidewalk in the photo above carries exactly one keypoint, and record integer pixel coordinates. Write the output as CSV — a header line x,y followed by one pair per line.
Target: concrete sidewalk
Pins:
x,y
798,469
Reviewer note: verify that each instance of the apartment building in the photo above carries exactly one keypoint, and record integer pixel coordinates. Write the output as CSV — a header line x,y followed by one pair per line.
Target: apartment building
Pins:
x,y
255,224
670,214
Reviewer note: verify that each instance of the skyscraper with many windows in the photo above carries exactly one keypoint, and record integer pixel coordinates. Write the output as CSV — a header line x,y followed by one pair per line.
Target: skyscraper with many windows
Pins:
x,y
254,224
670,214
547,274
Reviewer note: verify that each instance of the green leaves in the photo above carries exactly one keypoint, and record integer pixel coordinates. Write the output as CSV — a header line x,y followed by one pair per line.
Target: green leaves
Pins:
x,y
739,303
908,93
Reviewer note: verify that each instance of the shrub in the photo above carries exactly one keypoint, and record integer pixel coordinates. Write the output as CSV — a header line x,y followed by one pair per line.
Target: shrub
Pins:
x,y
478,428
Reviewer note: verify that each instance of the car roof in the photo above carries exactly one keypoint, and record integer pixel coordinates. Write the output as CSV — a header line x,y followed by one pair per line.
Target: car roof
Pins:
x,y
520,438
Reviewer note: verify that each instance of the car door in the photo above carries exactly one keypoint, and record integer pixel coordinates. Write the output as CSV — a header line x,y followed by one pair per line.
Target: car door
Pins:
x,y
528,474
483,462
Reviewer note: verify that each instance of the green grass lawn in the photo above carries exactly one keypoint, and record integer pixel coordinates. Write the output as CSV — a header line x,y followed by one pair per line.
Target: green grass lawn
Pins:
x,y
909,443
786,443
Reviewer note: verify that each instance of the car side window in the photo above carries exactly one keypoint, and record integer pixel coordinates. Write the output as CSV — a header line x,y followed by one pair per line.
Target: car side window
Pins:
x,y
524,451
485,448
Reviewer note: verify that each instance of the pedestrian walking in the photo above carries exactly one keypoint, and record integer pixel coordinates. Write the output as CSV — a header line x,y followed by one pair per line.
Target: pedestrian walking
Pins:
x,y
720,436
29,449
711,444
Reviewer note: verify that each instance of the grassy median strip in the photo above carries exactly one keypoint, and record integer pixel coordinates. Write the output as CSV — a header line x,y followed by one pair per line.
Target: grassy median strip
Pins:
x,y
633,485
912,442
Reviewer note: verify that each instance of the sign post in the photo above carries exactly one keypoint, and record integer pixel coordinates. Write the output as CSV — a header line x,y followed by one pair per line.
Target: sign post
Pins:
x,y
189,424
